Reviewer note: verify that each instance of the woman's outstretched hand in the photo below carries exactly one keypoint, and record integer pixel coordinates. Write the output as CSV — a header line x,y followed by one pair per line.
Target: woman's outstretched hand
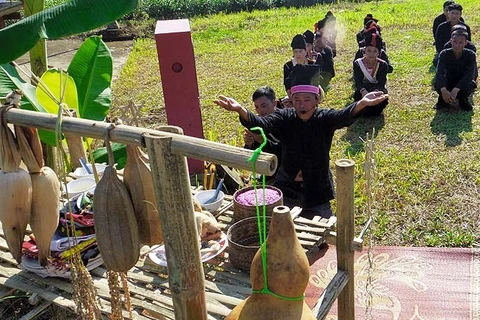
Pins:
x,y
374,98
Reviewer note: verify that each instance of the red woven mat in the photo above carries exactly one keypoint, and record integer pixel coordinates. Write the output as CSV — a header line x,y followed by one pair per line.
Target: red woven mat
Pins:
x,y
407,283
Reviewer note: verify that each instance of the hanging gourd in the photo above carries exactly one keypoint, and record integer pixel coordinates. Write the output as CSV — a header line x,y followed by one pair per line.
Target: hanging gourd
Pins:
x,y
116,227
280,280
138,180
280,270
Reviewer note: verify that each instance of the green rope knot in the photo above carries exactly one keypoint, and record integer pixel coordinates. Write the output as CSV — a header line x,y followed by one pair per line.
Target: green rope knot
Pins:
x,y
262,222
267,291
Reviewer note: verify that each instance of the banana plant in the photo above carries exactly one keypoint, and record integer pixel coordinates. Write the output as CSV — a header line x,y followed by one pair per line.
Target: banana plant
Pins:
x,y
85,87
70,18
91,68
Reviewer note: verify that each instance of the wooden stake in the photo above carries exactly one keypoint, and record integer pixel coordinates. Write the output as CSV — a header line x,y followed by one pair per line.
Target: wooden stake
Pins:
x,y
345,234
175,207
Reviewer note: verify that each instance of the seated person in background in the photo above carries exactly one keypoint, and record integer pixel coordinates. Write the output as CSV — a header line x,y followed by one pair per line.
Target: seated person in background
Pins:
x,y
311,55
370,74
383,54
265,102
469,45
368,22
306,133
444,30
441,18
299,48
454,80
324,59
326,26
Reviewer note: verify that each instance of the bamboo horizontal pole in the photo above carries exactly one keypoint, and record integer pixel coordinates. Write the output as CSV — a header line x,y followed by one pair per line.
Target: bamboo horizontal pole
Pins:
x,y
181,145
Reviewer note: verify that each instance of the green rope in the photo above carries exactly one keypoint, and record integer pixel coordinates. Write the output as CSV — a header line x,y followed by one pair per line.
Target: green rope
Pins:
x,y
262,222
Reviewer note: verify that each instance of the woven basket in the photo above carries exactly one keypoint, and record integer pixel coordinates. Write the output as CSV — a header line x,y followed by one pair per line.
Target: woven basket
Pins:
x,y
241,211
244,242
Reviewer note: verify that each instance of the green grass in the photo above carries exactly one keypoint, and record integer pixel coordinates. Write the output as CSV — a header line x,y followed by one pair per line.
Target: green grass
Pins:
x,y
428,163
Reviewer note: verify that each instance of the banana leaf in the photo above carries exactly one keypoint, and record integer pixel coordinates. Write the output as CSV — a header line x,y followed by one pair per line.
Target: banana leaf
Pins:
x,y
9,80
61,86
92,69
119,154
64,20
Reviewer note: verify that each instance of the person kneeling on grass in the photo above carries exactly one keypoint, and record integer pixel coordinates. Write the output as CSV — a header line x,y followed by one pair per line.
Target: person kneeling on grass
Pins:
x,y
306,132
370,74
456,72
265,101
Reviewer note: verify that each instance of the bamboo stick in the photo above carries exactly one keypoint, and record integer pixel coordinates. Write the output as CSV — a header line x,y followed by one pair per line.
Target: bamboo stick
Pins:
x,y
330,294
175,207
345,234
181,145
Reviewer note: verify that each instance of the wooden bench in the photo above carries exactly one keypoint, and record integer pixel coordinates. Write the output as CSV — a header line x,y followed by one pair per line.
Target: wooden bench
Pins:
x,y
225,285
9,10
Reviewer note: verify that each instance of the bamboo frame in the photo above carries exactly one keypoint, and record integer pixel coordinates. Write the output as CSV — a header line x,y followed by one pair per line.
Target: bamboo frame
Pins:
x,y
342,285
167,150
175,207
181,145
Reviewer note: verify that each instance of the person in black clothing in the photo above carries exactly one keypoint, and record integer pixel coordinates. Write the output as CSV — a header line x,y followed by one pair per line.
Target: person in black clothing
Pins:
x,y
444,30
454,80
266,103
367,28
324,59
309,37
306,133
383,54
370,74
326,26
441,18
469,44
299,49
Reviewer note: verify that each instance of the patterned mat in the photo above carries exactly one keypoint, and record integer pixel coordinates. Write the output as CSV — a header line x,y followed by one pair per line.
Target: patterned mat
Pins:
x,y
407,283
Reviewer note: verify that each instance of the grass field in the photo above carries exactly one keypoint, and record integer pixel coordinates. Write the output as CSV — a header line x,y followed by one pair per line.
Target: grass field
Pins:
x,y
428,163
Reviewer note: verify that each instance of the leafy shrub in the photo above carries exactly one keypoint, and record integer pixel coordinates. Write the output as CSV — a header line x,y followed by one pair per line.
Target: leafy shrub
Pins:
x,y
173,9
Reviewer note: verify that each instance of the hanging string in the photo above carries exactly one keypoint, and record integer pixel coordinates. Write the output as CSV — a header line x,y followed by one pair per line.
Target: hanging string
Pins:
x,y
262,221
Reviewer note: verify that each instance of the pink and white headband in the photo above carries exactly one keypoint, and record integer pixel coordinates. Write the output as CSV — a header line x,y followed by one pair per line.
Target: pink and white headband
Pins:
x,y
305,88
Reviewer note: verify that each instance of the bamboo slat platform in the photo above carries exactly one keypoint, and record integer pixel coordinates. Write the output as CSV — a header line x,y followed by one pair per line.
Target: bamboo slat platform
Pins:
x,y
225,285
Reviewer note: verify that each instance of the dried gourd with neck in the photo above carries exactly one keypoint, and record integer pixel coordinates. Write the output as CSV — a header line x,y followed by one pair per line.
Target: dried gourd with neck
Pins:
x,y
287,271
46,191
138,179
115,223
15,190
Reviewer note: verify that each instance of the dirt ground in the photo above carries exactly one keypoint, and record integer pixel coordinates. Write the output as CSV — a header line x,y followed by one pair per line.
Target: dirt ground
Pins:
x,y
61,52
